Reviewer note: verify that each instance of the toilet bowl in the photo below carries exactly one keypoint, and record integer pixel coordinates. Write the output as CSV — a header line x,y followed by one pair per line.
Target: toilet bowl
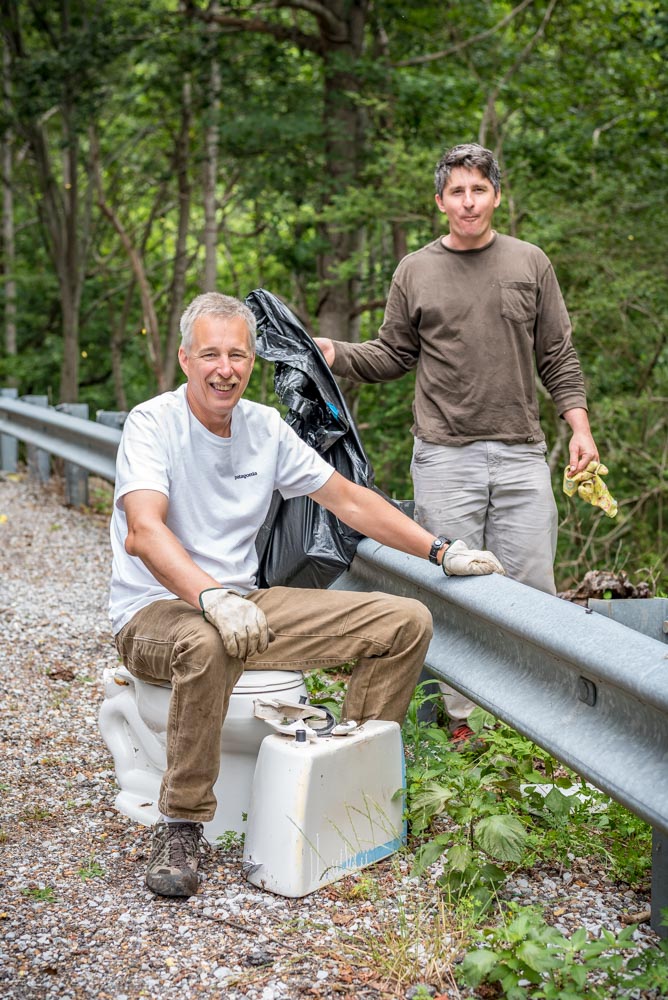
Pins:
x,y
133,724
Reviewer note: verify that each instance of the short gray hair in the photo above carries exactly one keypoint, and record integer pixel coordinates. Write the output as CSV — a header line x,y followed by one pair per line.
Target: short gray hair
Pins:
x,y
216,304
468,155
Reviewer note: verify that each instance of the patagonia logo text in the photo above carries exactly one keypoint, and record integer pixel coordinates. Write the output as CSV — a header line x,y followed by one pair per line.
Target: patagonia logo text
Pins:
x,y
245,475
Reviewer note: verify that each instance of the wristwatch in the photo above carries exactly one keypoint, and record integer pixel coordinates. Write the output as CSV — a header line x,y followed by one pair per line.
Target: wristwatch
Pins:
x,y
436,547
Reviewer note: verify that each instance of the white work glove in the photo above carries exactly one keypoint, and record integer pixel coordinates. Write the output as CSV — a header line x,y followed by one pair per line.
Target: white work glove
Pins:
x,y
462,561
242,626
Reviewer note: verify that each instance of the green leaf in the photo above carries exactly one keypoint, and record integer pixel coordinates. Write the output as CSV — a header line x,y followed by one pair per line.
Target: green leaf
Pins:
x,y
579,939
536,956
429,853
459,857
431,799
477,965
479,718
578,975
559,804
501,836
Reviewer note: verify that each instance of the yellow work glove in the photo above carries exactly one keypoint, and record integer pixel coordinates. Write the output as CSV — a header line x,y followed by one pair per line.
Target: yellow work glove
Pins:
x,y
590,487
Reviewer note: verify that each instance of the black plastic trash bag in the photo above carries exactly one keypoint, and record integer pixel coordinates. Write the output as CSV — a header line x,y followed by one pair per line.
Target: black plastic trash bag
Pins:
x,y
301,544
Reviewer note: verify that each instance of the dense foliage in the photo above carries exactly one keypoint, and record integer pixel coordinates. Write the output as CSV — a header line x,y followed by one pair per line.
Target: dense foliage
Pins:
x,y
151,151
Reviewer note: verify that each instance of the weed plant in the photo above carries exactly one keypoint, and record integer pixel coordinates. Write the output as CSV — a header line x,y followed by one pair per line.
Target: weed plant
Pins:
x,y
526,958
509,804
327,689
481,815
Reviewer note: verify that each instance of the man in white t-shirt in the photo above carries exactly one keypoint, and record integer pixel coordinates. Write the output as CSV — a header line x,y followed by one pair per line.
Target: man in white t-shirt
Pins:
x,y
196,470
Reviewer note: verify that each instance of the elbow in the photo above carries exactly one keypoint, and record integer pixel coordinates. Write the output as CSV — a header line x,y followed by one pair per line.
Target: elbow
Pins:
x,y
133,543
130,544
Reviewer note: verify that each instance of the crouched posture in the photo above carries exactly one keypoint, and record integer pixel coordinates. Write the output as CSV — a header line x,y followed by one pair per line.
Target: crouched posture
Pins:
x,y
196,470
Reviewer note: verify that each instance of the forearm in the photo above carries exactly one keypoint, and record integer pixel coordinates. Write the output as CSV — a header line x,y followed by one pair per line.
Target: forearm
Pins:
x,y
370,362
373,516
164,556
577,419
582,447
393,353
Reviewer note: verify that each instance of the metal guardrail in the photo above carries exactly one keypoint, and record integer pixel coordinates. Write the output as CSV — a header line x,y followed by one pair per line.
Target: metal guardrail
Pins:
x,y
591,691
84,443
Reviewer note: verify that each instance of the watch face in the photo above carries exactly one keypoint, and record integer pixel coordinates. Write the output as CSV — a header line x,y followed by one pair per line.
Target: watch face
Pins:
x,y
436,547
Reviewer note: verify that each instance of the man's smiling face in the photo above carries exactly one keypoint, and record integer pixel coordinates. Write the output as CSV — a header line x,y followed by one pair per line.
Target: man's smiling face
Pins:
x,y
218,367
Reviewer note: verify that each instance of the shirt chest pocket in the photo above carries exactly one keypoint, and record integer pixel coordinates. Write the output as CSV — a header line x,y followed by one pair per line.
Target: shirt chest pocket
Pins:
x,y
518,301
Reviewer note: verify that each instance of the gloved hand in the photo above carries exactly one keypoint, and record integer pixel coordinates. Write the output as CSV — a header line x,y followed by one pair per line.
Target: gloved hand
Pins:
x,y
590,487
462,561
242,626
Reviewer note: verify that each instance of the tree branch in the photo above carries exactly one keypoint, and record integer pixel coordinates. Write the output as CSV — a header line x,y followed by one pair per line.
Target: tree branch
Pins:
x,y
522,57
467,42
363,307
283,33
319,11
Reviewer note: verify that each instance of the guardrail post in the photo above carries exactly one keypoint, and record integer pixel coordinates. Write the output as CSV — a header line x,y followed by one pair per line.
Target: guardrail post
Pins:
x,y
649,616
428,711
39,461
9,446
76,478
111,418
659,881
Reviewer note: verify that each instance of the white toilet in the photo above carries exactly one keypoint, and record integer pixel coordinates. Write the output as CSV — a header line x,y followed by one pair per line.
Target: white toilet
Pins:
x,y
133,723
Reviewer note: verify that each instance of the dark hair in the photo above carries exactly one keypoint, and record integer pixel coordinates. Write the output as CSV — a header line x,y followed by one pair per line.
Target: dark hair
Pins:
x,y
215,304
468,155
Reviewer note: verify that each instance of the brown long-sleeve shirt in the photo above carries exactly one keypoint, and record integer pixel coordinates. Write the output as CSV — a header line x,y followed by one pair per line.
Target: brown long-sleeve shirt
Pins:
x,y
471,322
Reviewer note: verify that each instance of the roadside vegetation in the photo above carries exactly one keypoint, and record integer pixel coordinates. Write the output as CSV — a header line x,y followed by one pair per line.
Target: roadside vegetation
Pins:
x,y
502,808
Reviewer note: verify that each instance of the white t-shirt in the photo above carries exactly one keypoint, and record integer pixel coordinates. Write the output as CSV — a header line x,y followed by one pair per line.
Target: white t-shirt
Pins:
x,y
219,490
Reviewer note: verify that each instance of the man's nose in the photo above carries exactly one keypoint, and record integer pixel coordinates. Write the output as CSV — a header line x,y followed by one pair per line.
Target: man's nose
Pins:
x,y
224,365
468,197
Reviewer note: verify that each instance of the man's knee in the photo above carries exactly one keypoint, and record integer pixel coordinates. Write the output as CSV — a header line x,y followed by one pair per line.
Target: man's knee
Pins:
x,y
412,614
202,643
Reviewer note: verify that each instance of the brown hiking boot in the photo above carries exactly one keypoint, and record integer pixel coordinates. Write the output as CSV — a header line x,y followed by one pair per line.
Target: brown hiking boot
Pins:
x,y
175,854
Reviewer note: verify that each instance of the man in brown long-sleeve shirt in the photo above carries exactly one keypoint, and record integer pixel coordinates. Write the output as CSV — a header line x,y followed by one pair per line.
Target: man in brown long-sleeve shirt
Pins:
x,y
471,311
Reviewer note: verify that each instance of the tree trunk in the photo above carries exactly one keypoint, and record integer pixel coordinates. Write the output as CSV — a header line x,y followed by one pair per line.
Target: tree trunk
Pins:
x,y
118,328
8,248
69,267
64,215
210,171
182,163
344,126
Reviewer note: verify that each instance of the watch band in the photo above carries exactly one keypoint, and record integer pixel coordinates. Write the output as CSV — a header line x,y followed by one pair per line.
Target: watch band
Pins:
x,y
436,547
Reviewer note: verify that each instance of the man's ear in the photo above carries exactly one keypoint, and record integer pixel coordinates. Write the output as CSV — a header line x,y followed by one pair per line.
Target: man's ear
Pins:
x,y
439,203
183,361
497,200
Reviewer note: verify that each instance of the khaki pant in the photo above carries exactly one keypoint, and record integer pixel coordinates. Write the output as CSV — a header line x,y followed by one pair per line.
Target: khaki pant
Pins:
x,y
493,496
169,641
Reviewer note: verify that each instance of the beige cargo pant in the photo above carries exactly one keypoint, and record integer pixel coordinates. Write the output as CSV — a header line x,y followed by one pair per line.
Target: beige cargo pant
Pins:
x,y
169,641
493,496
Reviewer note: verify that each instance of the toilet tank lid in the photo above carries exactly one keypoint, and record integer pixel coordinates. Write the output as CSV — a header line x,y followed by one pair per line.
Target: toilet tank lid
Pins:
x,y
260,681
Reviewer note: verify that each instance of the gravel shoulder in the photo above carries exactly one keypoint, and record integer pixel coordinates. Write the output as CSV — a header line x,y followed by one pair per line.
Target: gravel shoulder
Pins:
x,y
75,917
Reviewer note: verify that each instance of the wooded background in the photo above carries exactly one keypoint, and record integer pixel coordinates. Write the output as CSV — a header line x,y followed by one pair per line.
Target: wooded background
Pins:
x,y
154,150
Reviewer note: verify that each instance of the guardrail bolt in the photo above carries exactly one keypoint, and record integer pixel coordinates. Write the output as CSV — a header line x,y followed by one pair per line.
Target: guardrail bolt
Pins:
x,y
587,691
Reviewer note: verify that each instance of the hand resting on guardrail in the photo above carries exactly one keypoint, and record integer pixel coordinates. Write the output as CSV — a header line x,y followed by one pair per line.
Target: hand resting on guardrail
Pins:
x,y
462,561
